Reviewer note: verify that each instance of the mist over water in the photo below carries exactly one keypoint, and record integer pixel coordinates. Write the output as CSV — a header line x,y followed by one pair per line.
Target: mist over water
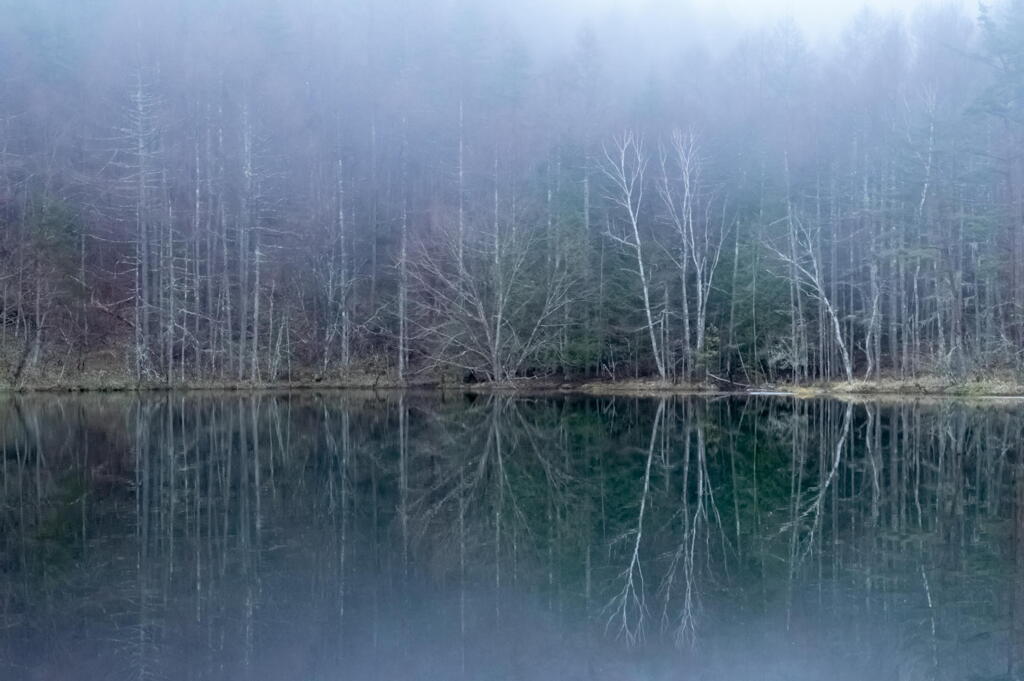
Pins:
x,y
406,536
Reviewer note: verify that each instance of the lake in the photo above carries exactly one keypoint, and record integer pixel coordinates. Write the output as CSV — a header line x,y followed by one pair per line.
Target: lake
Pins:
x,y
416,536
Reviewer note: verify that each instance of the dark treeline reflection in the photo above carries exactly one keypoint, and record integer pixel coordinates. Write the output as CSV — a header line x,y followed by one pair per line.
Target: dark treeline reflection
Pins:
x,y
343,536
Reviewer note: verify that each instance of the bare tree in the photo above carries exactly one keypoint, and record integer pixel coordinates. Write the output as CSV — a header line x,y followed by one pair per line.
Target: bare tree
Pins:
x,y
625,164
803,259
491,318
700,240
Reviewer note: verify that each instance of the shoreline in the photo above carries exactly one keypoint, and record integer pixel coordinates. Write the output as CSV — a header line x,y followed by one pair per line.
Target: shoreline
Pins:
x,y
885,387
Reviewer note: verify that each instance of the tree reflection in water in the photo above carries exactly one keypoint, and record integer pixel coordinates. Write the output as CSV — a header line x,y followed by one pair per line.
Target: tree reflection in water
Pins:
x,y
406,536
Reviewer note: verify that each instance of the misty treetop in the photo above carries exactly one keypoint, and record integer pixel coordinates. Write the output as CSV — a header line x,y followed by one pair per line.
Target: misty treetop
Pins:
x,y
194,190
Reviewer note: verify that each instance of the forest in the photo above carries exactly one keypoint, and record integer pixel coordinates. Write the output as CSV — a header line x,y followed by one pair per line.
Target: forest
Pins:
x,y
415,191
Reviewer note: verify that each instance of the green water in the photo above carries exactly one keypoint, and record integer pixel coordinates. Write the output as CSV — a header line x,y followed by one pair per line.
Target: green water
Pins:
x,y
408,536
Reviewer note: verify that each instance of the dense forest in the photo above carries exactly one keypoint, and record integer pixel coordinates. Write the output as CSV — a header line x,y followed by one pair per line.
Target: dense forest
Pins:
x,y
193,191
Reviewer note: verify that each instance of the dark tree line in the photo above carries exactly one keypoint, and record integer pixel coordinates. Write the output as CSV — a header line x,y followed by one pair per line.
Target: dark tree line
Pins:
x,y
199,191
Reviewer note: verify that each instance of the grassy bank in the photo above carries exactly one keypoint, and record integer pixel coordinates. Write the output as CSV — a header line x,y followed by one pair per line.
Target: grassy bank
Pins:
x,y
927,385
113,381
919,386
103,381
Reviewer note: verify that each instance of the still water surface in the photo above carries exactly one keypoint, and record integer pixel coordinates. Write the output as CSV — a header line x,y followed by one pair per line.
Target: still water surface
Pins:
x,y
347,536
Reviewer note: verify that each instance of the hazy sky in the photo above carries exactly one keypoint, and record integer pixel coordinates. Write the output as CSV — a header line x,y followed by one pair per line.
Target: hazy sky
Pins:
x,y
671,22
816,16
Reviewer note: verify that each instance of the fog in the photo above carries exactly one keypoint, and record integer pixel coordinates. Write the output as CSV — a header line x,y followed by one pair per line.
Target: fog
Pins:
x,y
716,24
402,233
822,19
376,190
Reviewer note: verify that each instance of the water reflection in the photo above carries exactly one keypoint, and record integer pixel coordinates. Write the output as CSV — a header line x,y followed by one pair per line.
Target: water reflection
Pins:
x,y
341,536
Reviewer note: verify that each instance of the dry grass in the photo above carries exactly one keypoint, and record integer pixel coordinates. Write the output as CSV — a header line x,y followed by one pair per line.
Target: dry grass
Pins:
x,y
111,377
107,379
645,387
928,385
